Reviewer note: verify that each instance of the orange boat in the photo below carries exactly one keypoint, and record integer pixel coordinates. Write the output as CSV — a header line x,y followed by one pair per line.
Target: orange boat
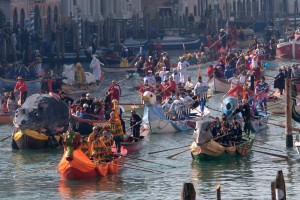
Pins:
x,y
81,167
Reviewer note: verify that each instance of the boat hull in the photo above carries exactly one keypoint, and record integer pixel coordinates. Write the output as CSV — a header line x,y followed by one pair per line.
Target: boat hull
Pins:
x,y
33,85
288,50
171,45
218,85
215,151
6,118
131,146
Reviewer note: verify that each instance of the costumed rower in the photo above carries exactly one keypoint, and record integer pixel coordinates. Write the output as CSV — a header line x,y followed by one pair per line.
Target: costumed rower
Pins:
x,y
98,148
107,140
182,68
135,124
261,91
200,90
21,85
116,126
115,90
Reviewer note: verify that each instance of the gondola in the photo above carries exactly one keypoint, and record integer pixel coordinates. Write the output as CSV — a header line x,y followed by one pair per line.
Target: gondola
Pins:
x,y
131,145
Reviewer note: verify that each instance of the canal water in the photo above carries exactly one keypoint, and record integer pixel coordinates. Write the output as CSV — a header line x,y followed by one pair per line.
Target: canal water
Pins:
x,y
29,175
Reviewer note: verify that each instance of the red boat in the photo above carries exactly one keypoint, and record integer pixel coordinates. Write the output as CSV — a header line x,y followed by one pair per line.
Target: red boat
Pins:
x,y
6,118
289,50
81,167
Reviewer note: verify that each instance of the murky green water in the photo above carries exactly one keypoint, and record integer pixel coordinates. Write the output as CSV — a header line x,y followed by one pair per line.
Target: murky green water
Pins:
x,y
24,174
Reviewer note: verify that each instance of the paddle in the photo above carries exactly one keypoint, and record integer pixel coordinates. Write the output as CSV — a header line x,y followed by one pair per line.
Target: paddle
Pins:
x,y
271,154
133,158
267,148
143,168
171,156
5,138
154,152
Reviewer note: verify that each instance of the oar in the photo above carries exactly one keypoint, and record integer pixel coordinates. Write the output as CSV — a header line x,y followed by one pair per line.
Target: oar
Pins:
x,y
143,167
5,138
133,158
271,154
116,83
154,152
140,169
267,148
171,156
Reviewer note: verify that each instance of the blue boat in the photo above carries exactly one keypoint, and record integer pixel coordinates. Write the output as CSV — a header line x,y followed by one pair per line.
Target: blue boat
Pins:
x,y
32,85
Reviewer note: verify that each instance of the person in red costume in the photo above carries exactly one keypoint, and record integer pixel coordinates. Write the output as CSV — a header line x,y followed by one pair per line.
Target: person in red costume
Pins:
x,y
115,90
21,85
170,86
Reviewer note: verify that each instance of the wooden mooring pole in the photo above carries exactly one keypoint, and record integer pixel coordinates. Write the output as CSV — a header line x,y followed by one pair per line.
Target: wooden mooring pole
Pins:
x,y
288,113
278,191
188,192
218,189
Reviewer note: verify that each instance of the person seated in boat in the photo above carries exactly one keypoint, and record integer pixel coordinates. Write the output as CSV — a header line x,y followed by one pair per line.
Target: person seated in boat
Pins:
x,y
170,85
175,76
261,92
188,85
85,146
12,103
230,58
167,106
176,109
228,73
218,72
135,124
31,71
108,141
77,111
83,112
98,112
236,131
147,66
68,100
4,103
223,138
150,78
146,87
82,99
216,127
210,71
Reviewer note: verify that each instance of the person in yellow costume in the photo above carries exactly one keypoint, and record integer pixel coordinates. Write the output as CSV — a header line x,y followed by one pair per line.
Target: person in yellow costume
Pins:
x,y
116,126
91,138
79,74
107,140
98,149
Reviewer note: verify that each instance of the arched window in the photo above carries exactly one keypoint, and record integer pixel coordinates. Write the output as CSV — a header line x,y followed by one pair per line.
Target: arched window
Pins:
x,y
15,18
22,19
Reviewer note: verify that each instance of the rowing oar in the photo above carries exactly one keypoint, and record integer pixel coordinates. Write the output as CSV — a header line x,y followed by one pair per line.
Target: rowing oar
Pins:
x,y
133,158
116,83
267,143
171,156
271,154
267,148
154,152
144,168
5,138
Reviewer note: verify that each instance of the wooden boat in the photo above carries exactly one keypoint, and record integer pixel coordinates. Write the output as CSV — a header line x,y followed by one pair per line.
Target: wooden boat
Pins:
x,y
81,167
82,88
138,107
218,85
32,85
132,145
204,148
171,42
29,139
155,120
6,118
288,50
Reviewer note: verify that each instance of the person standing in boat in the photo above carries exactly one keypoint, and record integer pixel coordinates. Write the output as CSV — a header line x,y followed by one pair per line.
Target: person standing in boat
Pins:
x,y
116,130
21,86
261,91
108,141
12,104
245,109
182,69
115,90
200,90
4,103
176,76
91,138
187,102
188,85
236,131
135,124
166,60
279,81
96,67
68,100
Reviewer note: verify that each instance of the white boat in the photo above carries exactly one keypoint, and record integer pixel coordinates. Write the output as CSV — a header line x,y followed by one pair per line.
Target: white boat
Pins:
x,y
218,85
155,120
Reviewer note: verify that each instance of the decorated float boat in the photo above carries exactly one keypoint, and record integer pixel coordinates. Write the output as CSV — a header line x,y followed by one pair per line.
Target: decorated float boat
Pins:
x,y
39,122
230,104
81,167
289,50
204,148
32,85
155,120
131,145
